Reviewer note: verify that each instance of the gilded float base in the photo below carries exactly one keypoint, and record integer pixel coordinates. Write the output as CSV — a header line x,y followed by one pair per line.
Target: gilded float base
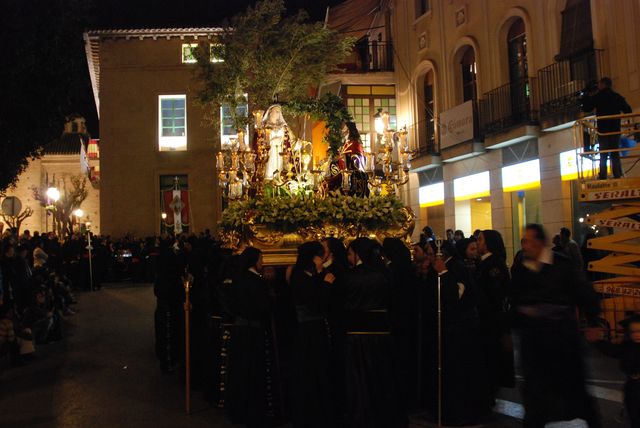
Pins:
x,y
280,248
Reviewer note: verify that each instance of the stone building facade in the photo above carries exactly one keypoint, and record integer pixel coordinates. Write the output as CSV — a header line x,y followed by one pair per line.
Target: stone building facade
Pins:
x,y
73,154
152,130
489,90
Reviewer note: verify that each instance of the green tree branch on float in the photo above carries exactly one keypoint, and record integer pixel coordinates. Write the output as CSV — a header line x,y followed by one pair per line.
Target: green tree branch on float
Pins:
x,y
270,56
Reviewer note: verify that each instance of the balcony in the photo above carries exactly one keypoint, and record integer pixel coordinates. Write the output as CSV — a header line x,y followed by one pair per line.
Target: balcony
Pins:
x,y
369,57
560,85
507,106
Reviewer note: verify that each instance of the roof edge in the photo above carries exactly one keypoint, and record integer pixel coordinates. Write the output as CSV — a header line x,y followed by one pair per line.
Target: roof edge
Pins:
x,y
93,71
154,32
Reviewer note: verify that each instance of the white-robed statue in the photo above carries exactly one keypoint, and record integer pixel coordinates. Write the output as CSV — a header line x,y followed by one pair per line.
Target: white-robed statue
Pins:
x,y
279,138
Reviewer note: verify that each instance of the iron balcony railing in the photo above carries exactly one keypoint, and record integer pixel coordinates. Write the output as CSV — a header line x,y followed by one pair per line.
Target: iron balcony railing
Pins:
x,y
369,56
561,84
507,106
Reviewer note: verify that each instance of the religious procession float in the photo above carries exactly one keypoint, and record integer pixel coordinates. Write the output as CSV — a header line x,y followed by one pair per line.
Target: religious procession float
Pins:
x,y
279,195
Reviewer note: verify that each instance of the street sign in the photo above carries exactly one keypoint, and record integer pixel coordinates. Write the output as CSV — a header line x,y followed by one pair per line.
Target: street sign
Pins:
x,y
11,206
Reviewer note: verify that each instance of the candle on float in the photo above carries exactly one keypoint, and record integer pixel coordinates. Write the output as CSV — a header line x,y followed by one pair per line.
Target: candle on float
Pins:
x,y
257,116
220,161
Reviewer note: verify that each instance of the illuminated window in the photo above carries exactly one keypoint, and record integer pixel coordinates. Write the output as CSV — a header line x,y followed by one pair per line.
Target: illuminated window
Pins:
x,y
172,122
228,127
360,111
188,56
363,102
216,51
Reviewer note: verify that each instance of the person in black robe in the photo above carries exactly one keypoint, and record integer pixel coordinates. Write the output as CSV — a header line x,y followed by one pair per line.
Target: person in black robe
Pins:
x,y
312,389
403,315
492,278
335,261
169,314
370,379
546,289
464,380
246,399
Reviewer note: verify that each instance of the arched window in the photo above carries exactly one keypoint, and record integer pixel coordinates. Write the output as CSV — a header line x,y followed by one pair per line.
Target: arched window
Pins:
x,y
429,113
517,50
469,75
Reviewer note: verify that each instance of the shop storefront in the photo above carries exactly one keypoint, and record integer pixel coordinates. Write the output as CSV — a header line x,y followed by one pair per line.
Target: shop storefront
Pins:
x,y
522,182
472,202
431,199
571,163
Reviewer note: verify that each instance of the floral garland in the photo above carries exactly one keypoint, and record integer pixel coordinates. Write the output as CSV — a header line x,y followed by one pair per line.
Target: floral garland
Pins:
x,y
290,214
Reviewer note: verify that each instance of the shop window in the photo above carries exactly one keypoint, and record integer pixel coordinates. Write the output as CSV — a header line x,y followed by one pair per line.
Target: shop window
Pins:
x,y
469,72
526,208
472,202
172,122
431,199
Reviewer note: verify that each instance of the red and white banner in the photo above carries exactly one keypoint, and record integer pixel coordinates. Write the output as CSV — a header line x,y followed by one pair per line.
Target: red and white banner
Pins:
x,y
176,206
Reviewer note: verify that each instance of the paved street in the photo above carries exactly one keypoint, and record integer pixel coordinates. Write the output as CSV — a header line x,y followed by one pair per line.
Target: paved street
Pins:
x,y
105,375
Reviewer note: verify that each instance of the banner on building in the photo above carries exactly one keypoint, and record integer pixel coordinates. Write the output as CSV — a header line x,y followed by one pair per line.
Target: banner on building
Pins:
x,y
456,125
175,204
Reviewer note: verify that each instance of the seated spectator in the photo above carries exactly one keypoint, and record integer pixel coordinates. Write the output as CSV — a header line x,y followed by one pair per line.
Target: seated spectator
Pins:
x,y
39,256
41,319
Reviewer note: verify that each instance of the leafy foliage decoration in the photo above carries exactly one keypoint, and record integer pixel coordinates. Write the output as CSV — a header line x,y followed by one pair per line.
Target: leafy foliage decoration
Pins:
x,y
268,56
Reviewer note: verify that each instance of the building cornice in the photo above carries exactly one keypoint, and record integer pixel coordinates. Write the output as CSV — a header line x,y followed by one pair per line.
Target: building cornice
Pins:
x,y
92,39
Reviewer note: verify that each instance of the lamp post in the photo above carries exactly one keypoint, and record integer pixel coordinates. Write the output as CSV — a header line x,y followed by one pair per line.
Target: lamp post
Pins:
x,y
53,195
90,248
78,213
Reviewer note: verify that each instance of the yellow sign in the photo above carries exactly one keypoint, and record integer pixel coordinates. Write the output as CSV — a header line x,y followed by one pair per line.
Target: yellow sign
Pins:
x,y
432,195
521,176
610,190
472,186
569,162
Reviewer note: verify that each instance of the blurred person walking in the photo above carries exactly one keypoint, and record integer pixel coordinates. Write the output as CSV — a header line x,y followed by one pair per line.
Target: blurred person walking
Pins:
x,y
493,281
546,288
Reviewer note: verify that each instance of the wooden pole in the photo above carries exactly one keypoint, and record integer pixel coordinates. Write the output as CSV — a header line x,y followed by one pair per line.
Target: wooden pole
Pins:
x,y
439,254
186,282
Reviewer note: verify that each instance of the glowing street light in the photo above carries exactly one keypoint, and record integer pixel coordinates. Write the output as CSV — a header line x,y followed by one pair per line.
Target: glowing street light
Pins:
x,y
53,194
164,216
78,213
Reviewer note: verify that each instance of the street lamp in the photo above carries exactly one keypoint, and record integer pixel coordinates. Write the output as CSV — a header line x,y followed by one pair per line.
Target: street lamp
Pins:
x,y
53,193
163,216
78,213
89,248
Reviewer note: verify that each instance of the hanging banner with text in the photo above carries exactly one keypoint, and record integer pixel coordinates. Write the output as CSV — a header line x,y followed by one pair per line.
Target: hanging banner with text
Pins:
x,y
456,125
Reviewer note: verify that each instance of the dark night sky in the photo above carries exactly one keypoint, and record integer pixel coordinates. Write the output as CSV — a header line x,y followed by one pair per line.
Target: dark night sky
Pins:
x,y
176,13
154,13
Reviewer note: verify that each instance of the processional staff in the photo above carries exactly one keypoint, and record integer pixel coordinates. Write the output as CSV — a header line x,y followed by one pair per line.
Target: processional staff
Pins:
x,y
439,254
187,281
